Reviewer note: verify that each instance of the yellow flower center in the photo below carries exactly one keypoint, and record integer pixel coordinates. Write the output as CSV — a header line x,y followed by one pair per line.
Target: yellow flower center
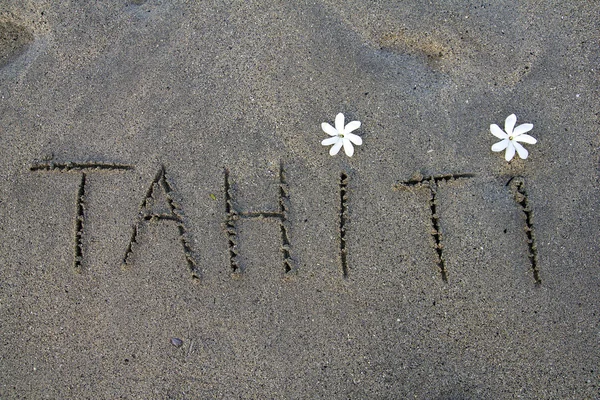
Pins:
x,y
510,137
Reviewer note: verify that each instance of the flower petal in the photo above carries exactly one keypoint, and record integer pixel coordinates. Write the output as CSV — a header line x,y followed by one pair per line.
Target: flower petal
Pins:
x,y
510,152
496,131
336,147
339,122
330,140
357,140
522,151
522,129
500,145
509,124
328,129
352,126
348,148
526,139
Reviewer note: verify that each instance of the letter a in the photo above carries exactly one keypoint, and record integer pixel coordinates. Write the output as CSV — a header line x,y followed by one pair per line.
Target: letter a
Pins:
x,y
159,205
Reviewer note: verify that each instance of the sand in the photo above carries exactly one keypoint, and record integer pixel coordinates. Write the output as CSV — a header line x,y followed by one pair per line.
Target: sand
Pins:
x,y
171,226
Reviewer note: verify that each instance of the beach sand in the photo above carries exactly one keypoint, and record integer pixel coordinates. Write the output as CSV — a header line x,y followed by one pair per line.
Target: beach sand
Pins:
x,y
171,226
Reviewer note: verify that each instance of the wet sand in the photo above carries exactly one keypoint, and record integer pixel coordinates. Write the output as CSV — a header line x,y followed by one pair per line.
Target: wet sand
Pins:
x,y
172,227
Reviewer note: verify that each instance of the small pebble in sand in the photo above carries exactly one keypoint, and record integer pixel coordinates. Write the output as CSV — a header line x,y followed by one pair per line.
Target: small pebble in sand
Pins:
x,y
176,342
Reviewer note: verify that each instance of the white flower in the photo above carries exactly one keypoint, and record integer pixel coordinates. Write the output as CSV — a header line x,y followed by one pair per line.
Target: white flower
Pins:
x,y
341,136
512,137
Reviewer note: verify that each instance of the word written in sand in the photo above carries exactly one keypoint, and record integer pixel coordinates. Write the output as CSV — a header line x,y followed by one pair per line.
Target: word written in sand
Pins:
x,y
162,188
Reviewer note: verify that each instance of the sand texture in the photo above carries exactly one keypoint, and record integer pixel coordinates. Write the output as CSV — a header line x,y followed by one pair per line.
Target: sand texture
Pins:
x,y
172,228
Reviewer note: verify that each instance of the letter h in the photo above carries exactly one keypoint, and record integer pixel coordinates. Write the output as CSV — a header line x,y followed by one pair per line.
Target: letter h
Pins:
x,y
233,216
